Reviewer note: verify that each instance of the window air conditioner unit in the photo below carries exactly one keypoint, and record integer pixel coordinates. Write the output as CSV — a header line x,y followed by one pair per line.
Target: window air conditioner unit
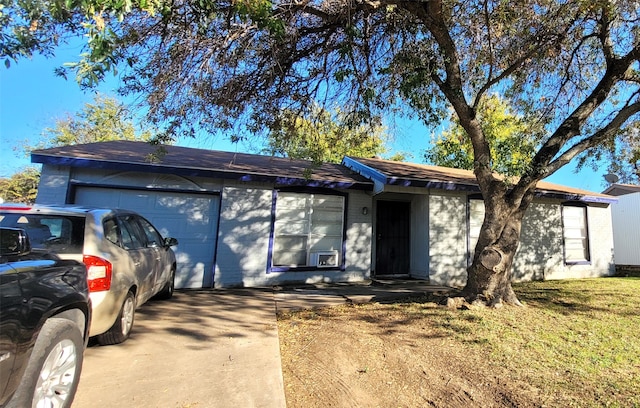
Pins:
x,y
323,259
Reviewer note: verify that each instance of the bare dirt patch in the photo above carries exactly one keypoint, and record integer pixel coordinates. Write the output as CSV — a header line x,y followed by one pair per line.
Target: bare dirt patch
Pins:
x,y
375,357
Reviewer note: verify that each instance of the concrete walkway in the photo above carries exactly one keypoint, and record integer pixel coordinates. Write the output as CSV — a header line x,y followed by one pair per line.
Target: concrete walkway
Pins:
x,y
211,348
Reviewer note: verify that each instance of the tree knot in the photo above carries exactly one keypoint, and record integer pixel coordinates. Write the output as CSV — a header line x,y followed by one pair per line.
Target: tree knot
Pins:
x,y
491,257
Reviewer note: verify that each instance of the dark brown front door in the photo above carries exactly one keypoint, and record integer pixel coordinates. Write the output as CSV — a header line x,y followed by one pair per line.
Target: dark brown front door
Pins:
x,y
392,238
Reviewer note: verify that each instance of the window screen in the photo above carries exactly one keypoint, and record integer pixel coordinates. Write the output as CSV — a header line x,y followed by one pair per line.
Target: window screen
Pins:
x,y
308,230
576,234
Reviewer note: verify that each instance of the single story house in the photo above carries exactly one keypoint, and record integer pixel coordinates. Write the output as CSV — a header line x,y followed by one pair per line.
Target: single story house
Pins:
x,y
247,220
626,225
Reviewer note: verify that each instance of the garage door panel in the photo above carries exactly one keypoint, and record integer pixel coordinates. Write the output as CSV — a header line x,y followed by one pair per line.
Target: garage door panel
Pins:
x,y
190,218
135,201
171,227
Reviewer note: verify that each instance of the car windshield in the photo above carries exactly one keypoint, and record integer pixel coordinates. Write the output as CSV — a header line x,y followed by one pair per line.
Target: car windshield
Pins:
x,y
58,233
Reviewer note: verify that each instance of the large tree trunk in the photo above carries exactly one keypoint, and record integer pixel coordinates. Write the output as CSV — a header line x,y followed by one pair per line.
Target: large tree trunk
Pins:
x,y
489,276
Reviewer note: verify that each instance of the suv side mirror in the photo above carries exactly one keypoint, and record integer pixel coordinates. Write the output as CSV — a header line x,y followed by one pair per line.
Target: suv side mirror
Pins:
x,y
169,242
14,242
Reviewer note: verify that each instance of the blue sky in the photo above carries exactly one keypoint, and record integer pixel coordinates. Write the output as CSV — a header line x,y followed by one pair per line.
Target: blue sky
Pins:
x,y
32,98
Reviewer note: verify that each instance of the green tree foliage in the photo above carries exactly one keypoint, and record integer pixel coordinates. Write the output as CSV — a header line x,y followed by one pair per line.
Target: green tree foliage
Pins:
x,y
322,138
21,187
512,140
624,157
573,66
630,151
102,120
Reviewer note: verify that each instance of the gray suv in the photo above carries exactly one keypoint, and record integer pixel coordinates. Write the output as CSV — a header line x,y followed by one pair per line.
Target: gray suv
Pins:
x,y
127,260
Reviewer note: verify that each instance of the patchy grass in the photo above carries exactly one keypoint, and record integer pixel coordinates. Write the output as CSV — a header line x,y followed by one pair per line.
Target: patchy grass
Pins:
x,y
577,338
576,343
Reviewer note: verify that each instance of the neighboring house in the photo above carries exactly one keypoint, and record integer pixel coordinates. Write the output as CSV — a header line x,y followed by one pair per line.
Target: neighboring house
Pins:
x,y
626,225
250,220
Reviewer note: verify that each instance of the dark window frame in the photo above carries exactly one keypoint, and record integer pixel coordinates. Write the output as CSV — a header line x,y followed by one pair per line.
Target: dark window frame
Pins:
x,y
316,191
587,239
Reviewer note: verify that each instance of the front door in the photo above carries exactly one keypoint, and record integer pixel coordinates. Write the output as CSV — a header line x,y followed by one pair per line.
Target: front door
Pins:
x,y
392,238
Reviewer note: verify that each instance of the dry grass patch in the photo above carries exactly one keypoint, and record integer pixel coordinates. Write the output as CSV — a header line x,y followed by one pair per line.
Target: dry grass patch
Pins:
x,y
577,343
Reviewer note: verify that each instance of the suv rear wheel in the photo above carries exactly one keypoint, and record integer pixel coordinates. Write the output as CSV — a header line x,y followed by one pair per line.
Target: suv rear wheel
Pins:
x,y
53,371
121,329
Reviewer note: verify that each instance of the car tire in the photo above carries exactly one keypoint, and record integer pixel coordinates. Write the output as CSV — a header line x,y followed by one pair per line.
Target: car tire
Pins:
x,y
53,371
167,292
121,329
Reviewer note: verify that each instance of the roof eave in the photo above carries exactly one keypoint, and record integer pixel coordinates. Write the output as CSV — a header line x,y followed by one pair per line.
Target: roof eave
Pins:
x,y
197,172
381,179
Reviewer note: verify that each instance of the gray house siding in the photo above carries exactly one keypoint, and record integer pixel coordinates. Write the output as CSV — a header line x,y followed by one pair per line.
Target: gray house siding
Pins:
x,y
447,239
442,239
601,247
243,241
626,230
358,239
420,237
540,250
243,248
54,184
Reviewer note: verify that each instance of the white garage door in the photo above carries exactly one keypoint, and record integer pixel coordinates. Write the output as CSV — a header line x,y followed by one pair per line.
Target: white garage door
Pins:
x,y
191,218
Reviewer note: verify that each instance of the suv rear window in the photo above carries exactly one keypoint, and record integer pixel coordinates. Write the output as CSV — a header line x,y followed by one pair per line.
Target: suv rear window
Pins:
x,y
58,233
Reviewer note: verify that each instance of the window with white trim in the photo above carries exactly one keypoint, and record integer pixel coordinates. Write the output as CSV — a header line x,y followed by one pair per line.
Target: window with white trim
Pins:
x,y
308,230
576,234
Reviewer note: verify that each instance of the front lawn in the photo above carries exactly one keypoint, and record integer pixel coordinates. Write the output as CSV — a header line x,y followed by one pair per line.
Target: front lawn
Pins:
x,y
576,343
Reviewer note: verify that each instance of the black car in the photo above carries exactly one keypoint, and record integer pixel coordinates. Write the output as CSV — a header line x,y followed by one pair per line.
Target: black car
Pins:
x,y
45,314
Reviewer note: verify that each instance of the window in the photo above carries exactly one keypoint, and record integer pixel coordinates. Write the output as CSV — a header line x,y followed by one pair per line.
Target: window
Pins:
x,y
153,236
57,233
132,235
576,234
111,231
308,230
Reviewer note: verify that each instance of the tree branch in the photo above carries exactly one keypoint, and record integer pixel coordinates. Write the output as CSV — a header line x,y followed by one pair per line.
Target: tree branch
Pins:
x,y
570,127
597,138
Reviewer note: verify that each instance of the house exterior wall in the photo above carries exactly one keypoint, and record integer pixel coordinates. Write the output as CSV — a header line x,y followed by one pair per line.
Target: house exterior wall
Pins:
x,y
626,229
420,237
243,242
447,239
54,184
600,242
243,236
540,250
440,244
600,245
540,255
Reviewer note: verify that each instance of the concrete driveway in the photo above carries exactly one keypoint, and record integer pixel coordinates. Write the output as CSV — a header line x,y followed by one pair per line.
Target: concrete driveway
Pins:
x,y
213,348
199,349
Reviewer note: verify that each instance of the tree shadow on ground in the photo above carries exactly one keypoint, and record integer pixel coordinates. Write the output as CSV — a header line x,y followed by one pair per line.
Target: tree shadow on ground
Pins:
x,y
588,298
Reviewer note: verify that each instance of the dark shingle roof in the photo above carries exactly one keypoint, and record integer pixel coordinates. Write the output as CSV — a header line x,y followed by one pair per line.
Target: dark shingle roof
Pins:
x,y
136,156
422,175
621,189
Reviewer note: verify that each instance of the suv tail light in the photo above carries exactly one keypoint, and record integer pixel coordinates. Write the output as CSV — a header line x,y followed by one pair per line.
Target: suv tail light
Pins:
x,y
98,273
